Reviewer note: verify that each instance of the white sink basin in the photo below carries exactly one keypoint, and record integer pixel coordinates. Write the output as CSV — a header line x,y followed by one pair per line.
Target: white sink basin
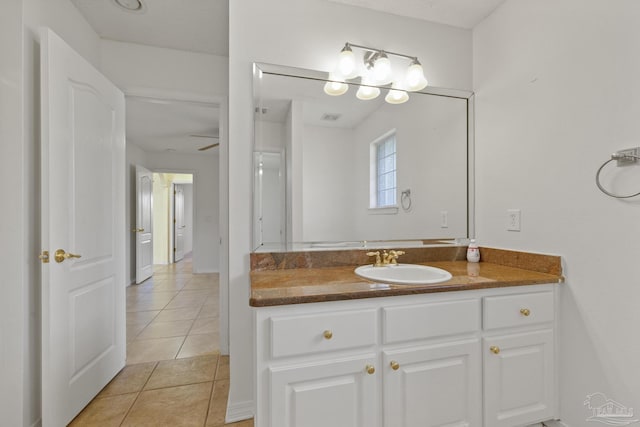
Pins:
x,y
404,274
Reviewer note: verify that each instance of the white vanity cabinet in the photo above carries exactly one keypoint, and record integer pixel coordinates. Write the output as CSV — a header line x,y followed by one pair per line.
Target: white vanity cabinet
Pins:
x,y
468,358
519,377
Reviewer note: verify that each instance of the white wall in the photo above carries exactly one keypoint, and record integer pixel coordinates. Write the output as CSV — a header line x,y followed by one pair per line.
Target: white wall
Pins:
x,y
258,32
556,92
14,228
64,19
204,167
328,190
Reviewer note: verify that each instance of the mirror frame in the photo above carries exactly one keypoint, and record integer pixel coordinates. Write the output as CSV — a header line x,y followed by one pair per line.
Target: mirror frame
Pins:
x,y
259,69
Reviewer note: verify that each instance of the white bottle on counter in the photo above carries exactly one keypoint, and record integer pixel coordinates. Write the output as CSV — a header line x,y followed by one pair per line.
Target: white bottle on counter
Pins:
x,y
473,252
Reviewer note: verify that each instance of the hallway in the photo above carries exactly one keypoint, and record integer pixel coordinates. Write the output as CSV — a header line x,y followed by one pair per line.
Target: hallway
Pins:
x,y
175,375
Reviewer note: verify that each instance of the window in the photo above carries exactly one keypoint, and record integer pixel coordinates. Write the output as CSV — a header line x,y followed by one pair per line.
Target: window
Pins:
x,y
383,172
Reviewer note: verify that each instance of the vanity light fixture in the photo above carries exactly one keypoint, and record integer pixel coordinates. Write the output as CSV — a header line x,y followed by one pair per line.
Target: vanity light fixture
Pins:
x,y
376,73
335,86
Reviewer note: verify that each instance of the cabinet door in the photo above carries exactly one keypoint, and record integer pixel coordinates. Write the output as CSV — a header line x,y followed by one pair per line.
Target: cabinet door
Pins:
x,y
518,378
337,393
436,385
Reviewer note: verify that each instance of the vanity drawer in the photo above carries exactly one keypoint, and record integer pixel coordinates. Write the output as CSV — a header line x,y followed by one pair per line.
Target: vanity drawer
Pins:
x,y
308,334
422,321
518,310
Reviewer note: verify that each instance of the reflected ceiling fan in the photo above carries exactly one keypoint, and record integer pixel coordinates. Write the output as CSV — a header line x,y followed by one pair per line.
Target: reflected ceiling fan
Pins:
x,y
206,147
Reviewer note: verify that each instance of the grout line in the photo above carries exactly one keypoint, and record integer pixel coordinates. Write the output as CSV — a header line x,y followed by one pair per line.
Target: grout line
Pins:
x,y
206,418
139,393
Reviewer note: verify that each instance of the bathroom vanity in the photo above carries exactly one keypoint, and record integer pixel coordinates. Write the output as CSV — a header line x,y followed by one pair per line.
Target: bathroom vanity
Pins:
x,y
333,349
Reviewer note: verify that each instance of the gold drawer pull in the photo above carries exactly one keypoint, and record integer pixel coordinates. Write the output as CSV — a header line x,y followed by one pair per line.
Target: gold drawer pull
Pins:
x,y
494,349
327,334
370,369
394,365
525,311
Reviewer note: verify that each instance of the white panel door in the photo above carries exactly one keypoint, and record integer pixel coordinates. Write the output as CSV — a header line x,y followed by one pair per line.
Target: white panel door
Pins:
x,y
178,222
83,219
144,224
518,383
437,385
338,393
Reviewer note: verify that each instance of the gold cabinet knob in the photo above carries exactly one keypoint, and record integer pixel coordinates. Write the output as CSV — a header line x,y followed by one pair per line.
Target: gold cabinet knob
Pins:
x,y
61,255
327,334
525,311
370,369
394,365
494,349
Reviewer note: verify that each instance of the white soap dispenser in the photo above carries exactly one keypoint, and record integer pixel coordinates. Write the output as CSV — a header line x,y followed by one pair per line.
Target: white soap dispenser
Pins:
x,y
473,252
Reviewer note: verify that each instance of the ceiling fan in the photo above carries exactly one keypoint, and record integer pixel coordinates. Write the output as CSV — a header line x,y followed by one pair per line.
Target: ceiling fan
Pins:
x,y
206,147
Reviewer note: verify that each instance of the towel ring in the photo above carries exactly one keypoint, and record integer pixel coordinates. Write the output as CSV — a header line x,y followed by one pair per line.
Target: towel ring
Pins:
x,y
615,156
405,199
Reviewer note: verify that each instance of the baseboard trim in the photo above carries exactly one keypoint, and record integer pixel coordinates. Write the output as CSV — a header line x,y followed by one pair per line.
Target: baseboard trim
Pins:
x,y
239,411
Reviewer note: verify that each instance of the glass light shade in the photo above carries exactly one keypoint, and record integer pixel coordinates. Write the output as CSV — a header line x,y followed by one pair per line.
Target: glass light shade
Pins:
x,y
382,69
415,79
395,96
367,93
335,87
347,63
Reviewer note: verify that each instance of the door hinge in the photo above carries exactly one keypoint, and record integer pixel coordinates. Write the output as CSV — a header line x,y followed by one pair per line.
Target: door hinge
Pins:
x,y
175,192
44,257
174,220
174,249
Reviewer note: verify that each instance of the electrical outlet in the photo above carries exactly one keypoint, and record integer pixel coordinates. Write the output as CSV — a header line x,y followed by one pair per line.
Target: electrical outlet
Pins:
x,y
513,219
444,219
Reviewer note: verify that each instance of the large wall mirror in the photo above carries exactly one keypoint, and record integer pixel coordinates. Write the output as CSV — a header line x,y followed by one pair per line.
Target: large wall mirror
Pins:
x,y
341,172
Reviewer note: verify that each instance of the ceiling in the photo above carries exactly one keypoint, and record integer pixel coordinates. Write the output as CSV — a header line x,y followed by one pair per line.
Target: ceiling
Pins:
x,y
458,13
161,125
203,26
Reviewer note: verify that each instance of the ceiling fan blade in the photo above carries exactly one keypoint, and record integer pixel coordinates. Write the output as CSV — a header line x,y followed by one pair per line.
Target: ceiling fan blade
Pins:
x,y
205,136
206,147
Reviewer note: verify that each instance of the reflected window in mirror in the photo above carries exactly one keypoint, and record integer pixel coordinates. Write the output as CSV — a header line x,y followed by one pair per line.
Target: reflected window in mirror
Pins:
x,y
383,192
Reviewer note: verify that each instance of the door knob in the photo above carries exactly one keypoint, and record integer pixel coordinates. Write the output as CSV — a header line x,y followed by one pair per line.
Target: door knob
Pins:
x,y
61,255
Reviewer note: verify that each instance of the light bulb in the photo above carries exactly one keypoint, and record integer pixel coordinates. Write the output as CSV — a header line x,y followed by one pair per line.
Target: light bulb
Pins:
x,y
366,93
415,79
396,96
382,69
347,63
335,87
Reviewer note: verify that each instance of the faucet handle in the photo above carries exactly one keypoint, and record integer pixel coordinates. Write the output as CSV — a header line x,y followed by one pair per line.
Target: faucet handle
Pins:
x,y
393,256
377,255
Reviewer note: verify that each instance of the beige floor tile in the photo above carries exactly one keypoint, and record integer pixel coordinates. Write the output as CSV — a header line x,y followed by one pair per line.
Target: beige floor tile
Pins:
x,y
105,412
152,350
209,310
218,404
184,302
134,329
175,406
191,285
131,379
222,373
157,329
168,286
161,296
205,325
193,370
187,313
146,305
137,317
199,345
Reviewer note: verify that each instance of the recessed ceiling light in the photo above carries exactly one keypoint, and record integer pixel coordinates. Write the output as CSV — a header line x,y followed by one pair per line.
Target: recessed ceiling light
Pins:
x,y
130,5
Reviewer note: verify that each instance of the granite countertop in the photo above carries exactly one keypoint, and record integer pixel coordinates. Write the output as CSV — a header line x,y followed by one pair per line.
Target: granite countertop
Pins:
x,y
318,284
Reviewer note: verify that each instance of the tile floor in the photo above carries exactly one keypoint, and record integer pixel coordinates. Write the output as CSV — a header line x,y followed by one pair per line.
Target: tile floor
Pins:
x,y
175,375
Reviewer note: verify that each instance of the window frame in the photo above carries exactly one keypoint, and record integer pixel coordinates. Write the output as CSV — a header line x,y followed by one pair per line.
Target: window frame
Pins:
x,y
374,146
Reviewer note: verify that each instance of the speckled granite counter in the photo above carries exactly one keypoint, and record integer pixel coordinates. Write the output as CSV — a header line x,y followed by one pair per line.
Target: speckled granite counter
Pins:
x,y
274,281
